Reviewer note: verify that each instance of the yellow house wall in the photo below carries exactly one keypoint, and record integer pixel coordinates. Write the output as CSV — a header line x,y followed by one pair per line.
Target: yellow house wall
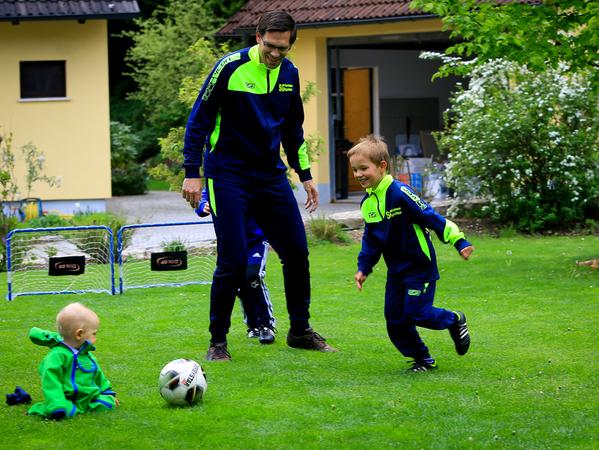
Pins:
x,y
73,134
309,54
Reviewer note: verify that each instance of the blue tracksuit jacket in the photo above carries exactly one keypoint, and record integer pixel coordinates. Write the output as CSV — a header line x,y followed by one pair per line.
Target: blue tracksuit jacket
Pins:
x,y
242,115
397,224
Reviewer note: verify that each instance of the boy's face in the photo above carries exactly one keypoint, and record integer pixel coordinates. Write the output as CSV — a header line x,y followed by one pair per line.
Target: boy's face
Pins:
x,y
366,172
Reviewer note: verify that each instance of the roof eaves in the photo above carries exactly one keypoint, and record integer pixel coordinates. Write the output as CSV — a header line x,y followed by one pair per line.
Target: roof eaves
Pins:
x,y
241,31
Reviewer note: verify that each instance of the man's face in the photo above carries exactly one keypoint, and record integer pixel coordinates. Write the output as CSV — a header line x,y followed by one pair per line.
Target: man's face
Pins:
x,y
274,46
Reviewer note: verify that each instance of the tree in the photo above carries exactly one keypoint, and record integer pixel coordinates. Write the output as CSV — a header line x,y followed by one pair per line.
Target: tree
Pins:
x,y
537,35
160,58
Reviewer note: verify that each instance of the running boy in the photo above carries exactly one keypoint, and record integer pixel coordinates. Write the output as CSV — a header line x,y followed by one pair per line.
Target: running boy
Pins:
x,y
254,296
72,380
397,223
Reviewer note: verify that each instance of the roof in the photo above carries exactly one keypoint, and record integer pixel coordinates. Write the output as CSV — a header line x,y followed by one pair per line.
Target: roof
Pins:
x,y
321,12
23,10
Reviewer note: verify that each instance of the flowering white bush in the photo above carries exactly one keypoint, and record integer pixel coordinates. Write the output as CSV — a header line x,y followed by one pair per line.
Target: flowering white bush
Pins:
x,y
528,143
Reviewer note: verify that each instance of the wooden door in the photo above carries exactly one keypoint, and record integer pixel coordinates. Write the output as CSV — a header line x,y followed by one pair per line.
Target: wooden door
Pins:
x,y
357,111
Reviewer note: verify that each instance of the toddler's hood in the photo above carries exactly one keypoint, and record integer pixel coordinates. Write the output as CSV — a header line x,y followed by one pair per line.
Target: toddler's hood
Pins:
x,y
44,337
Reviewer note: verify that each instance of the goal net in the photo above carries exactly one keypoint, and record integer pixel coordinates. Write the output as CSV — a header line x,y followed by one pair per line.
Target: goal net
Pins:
x,y
166,254
61,260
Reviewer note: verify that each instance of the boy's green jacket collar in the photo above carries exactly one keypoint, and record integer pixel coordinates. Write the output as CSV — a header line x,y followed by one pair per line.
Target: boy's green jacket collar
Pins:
x,y
382,186
52,339
374,205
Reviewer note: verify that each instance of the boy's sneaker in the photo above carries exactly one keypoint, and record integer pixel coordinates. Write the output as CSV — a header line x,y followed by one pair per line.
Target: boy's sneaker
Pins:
x,y
311,340
459,333
253,333
266,335
424,365
218,352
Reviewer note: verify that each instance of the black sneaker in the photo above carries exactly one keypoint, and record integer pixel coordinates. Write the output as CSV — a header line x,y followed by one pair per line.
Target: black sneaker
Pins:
x,y
311,340
459,333
424,365
266,335
218,352
253,333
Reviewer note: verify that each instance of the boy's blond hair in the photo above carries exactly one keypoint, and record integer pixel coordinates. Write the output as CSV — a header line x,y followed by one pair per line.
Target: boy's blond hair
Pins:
x,y
372,146
73,317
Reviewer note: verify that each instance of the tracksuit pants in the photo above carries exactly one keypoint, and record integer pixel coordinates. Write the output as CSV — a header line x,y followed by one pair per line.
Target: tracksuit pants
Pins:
x,y
408,306
273,206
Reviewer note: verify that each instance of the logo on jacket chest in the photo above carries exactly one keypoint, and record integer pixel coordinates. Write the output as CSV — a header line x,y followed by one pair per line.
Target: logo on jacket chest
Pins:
x,y
393,212
250,85
284,87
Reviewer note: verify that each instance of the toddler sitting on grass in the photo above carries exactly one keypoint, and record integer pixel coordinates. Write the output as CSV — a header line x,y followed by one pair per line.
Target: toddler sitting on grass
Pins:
x,y
72,381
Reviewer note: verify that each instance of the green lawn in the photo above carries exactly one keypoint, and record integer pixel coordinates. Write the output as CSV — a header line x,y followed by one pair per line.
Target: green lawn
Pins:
x,y
529,381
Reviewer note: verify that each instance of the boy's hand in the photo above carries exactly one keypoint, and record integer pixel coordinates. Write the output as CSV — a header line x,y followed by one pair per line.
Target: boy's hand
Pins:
x,y
360,278
207,209
466,252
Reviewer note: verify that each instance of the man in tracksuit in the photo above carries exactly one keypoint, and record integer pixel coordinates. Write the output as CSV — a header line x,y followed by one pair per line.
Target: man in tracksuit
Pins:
x,y
249,105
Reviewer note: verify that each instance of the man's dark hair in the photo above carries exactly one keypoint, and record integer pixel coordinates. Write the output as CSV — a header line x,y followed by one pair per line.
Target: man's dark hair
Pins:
x,y
277,21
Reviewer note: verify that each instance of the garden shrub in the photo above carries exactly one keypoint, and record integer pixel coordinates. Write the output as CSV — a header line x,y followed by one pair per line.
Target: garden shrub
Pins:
x,y
129,177
527,143
327,230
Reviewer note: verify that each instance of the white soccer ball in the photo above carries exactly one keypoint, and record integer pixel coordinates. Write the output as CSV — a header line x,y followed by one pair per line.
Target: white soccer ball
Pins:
x,y
182,382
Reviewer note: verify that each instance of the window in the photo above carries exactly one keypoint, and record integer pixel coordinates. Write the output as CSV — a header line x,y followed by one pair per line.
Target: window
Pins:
x,y
43,79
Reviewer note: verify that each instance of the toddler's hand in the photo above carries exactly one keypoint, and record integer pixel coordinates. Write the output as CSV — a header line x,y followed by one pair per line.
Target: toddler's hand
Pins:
x,y
466,252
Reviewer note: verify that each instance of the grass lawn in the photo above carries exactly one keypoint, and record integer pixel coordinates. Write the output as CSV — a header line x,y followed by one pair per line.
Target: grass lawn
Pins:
x,y
529,381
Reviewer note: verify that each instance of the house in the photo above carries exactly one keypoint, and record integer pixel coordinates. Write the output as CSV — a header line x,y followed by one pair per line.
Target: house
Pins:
x,y
363,56
54,93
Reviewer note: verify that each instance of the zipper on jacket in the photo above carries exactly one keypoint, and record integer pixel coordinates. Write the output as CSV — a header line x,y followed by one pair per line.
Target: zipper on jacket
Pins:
x,y
268,81
378,205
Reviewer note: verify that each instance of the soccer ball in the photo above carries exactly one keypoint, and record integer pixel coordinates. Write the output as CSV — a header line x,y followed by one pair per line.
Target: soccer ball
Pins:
x,y
182,382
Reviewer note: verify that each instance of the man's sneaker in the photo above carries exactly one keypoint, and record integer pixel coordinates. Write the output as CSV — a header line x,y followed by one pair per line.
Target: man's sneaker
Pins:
x,y
218,352
311,340
423,365
266,335
459,333
253,333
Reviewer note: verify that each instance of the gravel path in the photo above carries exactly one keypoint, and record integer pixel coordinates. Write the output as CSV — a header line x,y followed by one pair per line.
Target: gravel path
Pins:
x,y
160,207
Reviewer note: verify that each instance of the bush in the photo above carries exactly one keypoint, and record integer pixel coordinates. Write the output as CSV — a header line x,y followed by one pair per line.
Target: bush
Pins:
x,y
526,142
328,230
129,177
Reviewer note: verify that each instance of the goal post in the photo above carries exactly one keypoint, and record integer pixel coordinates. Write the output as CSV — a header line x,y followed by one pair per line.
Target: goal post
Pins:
x,y
165,254
60,260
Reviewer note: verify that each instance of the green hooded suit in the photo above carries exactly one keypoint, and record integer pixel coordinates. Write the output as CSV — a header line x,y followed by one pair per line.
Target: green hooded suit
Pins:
x,y
72,383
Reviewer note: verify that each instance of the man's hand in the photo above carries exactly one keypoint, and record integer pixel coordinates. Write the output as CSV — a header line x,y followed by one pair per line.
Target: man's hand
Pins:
x,y
466,252
312,196
191,191
360,278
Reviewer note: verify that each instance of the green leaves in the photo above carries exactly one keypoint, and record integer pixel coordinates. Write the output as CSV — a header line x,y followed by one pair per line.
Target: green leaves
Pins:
x,y
538,35
526,142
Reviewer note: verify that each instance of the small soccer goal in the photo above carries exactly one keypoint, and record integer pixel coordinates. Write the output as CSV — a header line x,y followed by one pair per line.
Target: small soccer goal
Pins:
x,y
165,254
61,260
